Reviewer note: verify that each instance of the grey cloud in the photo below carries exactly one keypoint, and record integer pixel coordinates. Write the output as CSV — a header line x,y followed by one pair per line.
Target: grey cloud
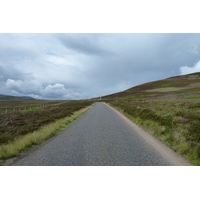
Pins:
x,y
67,66
88,44
24,87
11,72
145,58
180,49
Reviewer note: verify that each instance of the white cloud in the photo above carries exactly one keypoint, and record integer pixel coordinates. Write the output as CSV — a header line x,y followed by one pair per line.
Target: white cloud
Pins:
x,y
12,84
36,90
59,91
54,90
24,87
189,70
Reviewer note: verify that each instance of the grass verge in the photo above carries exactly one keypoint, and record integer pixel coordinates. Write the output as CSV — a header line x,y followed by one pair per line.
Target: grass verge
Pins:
x,y
173,135
20,144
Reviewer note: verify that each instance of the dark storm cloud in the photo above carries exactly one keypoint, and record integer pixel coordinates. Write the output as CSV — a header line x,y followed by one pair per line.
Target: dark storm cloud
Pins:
x,y
75,66
88,44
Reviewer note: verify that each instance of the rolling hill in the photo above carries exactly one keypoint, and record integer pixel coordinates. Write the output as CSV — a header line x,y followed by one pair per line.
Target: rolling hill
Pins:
x,y
14,98
177,87
169,109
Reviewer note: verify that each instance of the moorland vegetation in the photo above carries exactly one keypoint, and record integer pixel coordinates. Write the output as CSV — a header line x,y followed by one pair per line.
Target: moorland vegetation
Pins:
x,y
169,109
27,123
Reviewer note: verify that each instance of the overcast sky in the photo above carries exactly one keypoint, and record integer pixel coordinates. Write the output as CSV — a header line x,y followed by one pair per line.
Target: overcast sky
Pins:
x,y
80,66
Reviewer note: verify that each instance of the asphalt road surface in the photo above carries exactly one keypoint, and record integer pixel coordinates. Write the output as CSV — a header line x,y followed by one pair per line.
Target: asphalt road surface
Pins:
x,y
102,137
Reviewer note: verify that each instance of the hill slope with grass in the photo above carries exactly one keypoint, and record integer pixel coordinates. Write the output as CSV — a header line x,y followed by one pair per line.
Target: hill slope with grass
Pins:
x,y
169,109
14,98
179,86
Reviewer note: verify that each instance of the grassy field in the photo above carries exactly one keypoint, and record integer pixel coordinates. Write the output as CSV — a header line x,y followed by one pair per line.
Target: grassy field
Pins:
x,y
21,143
169,109
33,115
12,106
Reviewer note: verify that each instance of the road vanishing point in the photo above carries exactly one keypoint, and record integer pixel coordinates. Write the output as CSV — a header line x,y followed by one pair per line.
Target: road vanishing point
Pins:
x,y
102,137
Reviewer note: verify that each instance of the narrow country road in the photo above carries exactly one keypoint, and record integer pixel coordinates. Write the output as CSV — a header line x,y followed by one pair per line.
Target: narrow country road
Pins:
x,y
102,137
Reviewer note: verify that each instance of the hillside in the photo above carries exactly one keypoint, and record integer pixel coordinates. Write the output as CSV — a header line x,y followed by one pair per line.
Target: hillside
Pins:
x,y
14,98
177,87
169,109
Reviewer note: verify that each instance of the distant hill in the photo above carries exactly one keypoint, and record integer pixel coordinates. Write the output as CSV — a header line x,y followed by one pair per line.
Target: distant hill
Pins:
x,y
14,98
27,97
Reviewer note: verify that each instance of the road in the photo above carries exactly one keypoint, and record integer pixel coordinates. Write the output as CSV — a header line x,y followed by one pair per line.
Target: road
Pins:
x,y
102,137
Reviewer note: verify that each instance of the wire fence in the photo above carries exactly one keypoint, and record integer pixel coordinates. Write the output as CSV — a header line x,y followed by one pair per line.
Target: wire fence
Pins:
x,y
20,109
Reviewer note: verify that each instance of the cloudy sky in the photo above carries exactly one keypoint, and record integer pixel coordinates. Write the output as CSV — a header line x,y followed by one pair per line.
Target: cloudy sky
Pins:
x,y
81,66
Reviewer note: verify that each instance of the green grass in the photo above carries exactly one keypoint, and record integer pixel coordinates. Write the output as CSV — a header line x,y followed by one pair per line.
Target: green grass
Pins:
x,y
20,144
192,98
32,110
169,109
178,129
166,89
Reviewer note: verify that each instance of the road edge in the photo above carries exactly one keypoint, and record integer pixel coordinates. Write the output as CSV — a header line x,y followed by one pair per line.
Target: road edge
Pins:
x,y
160,146
74,117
